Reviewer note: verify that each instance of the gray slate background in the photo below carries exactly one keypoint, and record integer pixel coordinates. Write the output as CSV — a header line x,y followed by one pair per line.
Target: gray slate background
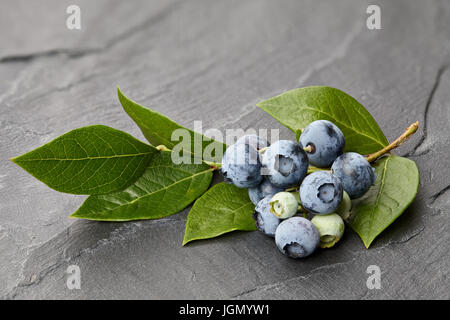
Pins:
x,y
212,61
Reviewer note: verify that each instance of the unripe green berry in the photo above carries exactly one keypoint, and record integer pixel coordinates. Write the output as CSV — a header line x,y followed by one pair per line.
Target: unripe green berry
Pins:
x,y
331,228
344,208
297,197
283,205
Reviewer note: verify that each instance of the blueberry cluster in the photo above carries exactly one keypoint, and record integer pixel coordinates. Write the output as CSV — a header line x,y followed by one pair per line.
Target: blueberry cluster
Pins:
x,y
285,194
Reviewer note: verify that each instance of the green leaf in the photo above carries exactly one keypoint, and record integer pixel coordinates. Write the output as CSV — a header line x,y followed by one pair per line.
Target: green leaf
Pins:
x,y
396,187
222,209
158,130
298,133
299,107
89,160
165,188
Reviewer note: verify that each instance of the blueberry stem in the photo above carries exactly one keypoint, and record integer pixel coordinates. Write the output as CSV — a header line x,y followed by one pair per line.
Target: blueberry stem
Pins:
x,y
262,150
162,147
397,142
213,165
308,148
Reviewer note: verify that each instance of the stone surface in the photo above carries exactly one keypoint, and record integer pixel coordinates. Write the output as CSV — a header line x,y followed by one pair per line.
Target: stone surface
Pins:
x,y
212,61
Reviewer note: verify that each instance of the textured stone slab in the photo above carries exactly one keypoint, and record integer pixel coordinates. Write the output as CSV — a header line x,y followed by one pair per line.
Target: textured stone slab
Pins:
x,y
212,61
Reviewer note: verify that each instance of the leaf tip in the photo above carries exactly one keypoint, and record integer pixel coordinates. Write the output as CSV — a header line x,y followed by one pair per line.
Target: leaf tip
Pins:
x,y
260,104
76,214
367,243
119,92
16,161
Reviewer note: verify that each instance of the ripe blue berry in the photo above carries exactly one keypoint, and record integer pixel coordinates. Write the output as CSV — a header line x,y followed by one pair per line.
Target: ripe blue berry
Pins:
x,y
255,141
266,222
355,173
321,192
265,189
285,162
241,165
326,141
297,237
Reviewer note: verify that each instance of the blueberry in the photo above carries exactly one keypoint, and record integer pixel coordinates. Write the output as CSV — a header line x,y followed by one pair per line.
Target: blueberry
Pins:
x,y
326,141
266,222
283,205
263,190
331,228
255,141
241,166
355,173
321,192
285,162
297,237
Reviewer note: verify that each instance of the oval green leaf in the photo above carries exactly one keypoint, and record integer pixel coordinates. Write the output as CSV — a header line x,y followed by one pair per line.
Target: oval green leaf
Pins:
x,y
165,188
395,188
158,130
224,208
89,160
297,108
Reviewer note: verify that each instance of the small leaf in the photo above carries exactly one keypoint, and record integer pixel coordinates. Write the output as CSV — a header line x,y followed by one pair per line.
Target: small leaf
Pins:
x,y
222,209
165,188
396,187
299,107
89,160
158,130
